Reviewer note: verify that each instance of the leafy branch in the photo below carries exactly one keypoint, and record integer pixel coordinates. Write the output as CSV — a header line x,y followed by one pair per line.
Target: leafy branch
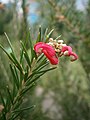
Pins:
x,y
25,73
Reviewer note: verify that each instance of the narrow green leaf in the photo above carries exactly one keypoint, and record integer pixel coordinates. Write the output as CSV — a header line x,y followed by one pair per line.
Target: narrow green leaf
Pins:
x,y
28,88
26,55
25,43
21,78
31,46
39,35
17,105
16,73
46,70
31,79
48,36
37,76
14,77
40,57
14,116
13,59
29,82
3,117
8,102
44,60
3,102
33,54
23,109
14,90
38,69
27,59
26,73
7,53
9,95
21,55
44,38
17,64
18,112
9,42
58,37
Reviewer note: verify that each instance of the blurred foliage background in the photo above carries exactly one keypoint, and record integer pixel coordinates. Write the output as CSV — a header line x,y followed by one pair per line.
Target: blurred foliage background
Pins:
x,y
63,94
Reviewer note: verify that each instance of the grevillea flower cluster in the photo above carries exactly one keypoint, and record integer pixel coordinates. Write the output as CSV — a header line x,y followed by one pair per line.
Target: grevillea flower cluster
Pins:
x,y
54,49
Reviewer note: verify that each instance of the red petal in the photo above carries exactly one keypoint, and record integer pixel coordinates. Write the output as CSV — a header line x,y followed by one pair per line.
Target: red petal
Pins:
x,y
70,53
53,59
37,46
74,55
49,48
67,48
44,46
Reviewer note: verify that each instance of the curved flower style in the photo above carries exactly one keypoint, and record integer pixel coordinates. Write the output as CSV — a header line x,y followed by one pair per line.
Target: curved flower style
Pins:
x,y
67,50
55,49
48,51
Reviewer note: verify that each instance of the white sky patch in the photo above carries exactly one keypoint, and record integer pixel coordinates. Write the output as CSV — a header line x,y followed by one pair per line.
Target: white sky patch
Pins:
x,y
81,4
6,1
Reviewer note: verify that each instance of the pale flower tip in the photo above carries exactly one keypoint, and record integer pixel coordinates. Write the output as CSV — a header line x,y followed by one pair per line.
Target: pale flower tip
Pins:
x,y
50,43
66,53
50,39
64,45
60,41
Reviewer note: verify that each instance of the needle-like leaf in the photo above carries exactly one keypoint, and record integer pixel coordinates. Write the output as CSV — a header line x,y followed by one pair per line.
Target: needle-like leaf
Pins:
x,y
9,95
39,38
9,42
17,64
58,37
26,55
48,35
14,77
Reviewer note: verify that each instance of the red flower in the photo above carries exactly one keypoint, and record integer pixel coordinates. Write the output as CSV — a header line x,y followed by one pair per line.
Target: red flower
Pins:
x,y
67,50
48,51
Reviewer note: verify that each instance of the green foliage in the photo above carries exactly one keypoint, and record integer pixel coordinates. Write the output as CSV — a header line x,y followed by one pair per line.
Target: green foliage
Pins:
x,y
25,73
69,84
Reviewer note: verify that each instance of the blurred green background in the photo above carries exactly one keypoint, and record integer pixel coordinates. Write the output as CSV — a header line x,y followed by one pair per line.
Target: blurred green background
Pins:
x,y
62,94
